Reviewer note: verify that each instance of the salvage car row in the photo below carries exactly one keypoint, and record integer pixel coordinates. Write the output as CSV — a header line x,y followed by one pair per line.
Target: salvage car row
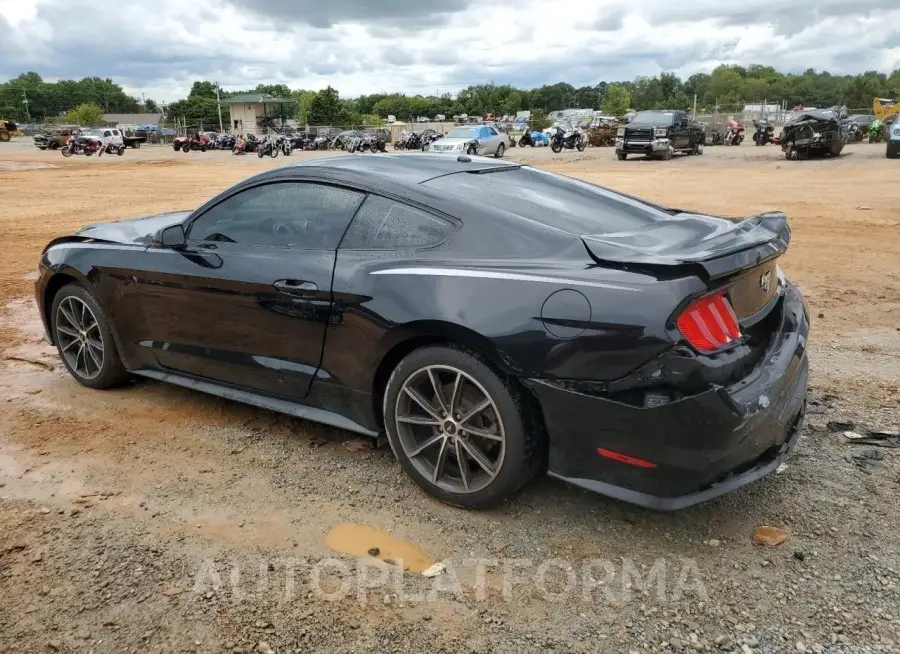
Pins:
x,y
810,133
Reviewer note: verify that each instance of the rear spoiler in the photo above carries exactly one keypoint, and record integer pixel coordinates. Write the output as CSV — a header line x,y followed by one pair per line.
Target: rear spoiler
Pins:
x,y
690,241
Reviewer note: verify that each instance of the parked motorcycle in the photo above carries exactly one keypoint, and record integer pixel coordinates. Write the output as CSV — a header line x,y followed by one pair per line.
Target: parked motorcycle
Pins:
x,y
284,145
267,147
374,142
82,145
240,146
118,150
735,133
427,137
764,134
569,138
876,131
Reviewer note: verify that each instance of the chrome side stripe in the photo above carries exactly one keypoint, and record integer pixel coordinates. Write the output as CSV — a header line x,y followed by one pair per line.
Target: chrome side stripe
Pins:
x,y
492,274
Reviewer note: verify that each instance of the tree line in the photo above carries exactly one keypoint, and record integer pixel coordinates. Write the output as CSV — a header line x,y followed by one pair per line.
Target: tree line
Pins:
x,y
726,86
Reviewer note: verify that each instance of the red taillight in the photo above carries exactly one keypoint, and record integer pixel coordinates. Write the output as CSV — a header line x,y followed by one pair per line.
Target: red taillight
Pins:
x,y
709,324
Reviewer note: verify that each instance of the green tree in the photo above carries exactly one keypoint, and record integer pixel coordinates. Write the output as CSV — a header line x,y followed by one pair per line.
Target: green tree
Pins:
x,y
304,100
617,100
326,109
86,115
150,106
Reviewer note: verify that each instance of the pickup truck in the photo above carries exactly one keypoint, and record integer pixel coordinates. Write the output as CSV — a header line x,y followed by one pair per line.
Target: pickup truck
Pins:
x,y
53,139
660,134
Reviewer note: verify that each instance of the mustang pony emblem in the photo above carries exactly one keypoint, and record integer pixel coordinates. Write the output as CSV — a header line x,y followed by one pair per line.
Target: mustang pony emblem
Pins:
x,y
764,281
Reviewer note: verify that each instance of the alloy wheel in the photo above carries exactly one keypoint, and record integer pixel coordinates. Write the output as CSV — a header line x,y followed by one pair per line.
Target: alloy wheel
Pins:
x,y
79,337
450,429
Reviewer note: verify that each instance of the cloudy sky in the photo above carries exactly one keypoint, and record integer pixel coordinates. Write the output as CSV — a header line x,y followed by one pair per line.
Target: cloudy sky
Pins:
x,y
428,46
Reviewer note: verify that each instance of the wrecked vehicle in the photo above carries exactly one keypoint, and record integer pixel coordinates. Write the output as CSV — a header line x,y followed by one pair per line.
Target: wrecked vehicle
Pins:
x,y
814,133
647,353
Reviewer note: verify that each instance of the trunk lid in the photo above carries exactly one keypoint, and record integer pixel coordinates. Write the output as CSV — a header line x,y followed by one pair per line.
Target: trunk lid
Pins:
x,y
710,246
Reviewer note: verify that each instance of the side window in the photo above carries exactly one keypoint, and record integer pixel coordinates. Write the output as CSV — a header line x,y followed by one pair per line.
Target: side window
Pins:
x,y
492,131
382,224
107,133
302,215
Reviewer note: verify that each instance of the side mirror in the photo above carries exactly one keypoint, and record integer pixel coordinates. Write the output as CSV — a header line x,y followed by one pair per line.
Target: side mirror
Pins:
x,y
171,237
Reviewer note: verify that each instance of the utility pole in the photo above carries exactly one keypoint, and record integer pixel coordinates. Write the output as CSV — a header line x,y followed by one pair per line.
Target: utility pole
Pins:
x,y
219,107
25,102
694,117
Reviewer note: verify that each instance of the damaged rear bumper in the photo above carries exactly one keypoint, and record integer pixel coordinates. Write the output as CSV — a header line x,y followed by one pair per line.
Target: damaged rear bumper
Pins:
x,y
692,449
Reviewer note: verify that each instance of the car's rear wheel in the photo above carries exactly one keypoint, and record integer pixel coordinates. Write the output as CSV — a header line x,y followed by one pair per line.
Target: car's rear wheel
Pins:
x,y
83,339
459,429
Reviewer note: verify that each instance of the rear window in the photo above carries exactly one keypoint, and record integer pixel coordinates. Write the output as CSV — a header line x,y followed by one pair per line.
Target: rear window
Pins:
x,y
562,202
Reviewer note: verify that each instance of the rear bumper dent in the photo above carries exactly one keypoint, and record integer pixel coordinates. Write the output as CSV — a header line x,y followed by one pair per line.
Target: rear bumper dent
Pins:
x,y
702,446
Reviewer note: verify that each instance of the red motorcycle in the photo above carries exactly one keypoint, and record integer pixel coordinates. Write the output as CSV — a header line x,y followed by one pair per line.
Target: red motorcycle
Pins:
x,y
735,133
240,146
82,145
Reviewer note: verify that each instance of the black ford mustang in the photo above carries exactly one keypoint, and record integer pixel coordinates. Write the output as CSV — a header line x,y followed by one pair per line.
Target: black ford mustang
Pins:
x,y
492,319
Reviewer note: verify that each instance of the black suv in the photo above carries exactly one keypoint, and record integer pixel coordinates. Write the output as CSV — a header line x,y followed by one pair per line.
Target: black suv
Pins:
x,y
660,134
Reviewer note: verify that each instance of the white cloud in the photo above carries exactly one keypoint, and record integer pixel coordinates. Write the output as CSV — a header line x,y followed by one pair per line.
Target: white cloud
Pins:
x,y
363,46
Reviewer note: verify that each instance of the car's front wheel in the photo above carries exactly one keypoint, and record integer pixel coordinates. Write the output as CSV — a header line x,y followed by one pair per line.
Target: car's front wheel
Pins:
x,y
83,339
459,429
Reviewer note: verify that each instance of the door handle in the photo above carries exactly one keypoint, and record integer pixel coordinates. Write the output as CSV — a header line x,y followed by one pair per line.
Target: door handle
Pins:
x,y
295,287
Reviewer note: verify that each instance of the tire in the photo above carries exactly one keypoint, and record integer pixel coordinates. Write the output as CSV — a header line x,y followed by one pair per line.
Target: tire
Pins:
x,y
54,146
136,145
472,149
4,136
500,150
580,144
892,153
110,372
176,147
66,151
516,458
120,151
667,154
556,146
621,156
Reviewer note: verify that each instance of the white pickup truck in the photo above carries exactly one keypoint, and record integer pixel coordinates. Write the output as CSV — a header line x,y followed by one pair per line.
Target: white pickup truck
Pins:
x,y
111,137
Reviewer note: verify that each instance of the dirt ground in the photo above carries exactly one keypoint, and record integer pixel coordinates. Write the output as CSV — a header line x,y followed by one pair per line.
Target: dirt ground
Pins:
x,y
156,519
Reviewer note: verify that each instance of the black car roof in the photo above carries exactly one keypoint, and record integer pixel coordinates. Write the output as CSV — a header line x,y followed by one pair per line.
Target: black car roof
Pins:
x,y
405,168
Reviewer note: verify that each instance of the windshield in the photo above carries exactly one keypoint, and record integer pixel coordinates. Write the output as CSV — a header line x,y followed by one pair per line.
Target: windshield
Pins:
x,y
463,133
653,118
550,199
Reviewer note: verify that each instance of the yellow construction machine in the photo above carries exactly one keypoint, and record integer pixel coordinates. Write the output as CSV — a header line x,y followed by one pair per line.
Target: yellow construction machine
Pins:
x,y
7,129
884,108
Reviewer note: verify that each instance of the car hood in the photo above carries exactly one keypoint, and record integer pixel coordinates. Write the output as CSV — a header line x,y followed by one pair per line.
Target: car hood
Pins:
x,y
717,245
132,231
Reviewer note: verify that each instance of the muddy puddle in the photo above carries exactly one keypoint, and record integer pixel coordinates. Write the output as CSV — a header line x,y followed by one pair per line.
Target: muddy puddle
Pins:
x,y
367,541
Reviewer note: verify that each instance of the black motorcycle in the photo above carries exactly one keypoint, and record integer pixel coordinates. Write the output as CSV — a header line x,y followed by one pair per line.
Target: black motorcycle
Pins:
x,y
267,147
427,137
251,143
764,134
526,139
572,138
